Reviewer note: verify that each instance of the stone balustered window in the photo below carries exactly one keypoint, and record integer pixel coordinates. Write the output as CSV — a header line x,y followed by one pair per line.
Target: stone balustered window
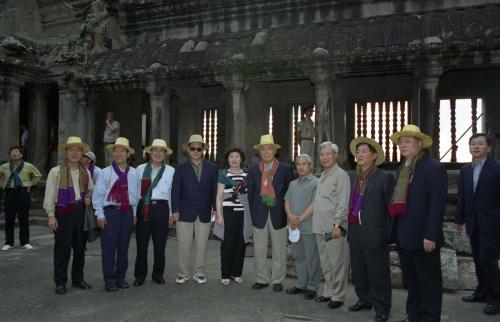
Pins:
x,y
379,120
210,132
270,120
297,116
459,118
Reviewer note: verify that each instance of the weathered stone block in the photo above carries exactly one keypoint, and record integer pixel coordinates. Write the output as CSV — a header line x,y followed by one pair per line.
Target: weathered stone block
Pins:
x,y
459,242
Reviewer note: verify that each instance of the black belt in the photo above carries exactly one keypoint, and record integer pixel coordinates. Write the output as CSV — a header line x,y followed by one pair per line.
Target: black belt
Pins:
x,y
115,207
16,189
155,202
307,139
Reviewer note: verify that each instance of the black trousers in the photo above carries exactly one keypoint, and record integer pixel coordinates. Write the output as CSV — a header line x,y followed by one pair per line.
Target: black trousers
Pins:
x,y
370,273
232,249
70,235
17,202
485,246
157,229
422,276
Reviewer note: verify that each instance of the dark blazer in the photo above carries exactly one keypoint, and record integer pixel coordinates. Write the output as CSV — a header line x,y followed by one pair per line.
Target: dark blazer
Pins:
x,y
192,198
375,222
427,197
284,175
484,204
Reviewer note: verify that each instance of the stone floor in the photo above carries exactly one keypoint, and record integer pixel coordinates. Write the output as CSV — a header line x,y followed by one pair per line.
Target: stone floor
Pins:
x,y
27,294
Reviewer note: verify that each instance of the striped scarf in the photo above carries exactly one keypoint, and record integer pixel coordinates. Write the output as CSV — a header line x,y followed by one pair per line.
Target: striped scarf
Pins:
x,y
399,202
66,198
267,192
147,188
358,193
119,191
14,175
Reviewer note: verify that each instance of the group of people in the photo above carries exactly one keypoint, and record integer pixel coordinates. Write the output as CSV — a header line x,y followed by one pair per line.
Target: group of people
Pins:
x,y
338,223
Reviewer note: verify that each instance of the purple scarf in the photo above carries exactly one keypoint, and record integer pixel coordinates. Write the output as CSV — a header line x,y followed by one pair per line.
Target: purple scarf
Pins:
x,y
119,192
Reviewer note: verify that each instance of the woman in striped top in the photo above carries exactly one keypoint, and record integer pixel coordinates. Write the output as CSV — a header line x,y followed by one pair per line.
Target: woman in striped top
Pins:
x,y
231,215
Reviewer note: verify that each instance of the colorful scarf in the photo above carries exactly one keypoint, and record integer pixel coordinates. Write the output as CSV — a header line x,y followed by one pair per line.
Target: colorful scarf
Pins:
x,y
66,198
238,187
358,193
267,192
14,175
119,191
147,188
399,202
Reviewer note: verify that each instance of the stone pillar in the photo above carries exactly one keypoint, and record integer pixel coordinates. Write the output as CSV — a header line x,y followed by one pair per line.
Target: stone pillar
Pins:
x,y
322,78
159,100
38,143
9,114
72,105
426,101
237,86
339,122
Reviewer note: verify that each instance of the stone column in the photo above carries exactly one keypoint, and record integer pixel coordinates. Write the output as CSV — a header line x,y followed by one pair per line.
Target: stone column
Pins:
x,y
159,100
9,114
322,78
38,143
426,101
236,85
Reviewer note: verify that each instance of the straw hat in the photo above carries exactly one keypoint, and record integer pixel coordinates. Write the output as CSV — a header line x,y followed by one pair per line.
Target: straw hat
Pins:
x,y
414,131
195,138
374,144
74,141
121,142
90,155
266,139
159,144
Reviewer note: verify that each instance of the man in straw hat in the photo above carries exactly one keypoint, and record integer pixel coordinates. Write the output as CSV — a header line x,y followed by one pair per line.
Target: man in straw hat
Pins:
x,y
330,218
418,203
478,206
194,192
115,202
66,194
153,213
369,228
17,177
267,184
88,162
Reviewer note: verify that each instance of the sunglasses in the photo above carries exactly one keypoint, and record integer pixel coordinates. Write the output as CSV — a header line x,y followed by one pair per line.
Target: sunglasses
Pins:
x,y
196,149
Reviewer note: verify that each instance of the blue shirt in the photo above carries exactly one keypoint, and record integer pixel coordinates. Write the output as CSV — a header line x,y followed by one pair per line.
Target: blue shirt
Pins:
x,y
104,184
477,172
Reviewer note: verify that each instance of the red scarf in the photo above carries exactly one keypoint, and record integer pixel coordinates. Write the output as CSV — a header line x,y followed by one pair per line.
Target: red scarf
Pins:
x,y
119,192
267,192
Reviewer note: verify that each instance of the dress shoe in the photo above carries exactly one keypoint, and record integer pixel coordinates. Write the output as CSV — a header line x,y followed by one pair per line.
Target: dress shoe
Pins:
x,y
81,285
111,288
159,280
473,298
381,317
334,304
278,287
61,289
258,286
309,295
122,284
360,306
322,299
138,282
492,309
294,290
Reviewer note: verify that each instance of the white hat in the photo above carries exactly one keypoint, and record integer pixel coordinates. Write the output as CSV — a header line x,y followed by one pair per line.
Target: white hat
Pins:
x,y
293,234
90,155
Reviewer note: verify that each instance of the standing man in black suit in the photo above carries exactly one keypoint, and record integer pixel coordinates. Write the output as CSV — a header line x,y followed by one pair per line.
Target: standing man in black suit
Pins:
x,y
267,184
369,229
418,202
478,206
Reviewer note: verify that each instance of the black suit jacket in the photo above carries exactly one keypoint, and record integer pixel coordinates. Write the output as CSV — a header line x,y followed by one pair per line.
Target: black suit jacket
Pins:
x,y
481,207
427,197
375,223
282,178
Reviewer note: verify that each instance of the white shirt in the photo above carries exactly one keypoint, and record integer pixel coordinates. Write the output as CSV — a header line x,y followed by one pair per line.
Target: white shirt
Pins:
x,y
103,186
97,173
163,189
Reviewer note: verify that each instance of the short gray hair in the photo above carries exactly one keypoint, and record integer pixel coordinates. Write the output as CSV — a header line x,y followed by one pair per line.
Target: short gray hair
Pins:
x,y
329,144
304,157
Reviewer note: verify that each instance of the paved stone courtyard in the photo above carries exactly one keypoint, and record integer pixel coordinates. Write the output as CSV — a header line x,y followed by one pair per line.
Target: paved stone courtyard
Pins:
x,y
27,294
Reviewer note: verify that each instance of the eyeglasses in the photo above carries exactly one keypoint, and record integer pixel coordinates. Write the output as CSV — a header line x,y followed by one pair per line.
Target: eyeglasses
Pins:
x,y
196,149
